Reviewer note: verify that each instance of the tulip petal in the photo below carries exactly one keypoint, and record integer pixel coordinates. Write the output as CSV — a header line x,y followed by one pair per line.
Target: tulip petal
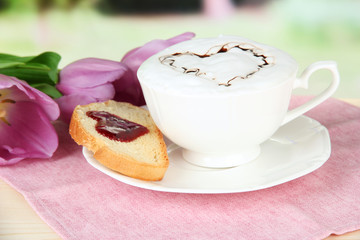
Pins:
x,y
180,38
89,72
68,103
99,93
134,58
128,89
29,133
22,91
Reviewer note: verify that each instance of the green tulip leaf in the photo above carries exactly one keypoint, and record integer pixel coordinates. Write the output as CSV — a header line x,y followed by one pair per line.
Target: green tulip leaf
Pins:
x,y
48,89
40,71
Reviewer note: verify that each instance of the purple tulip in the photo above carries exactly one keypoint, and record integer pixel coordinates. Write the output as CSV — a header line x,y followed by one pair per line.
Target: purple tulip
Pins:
x,y
25,122
95,80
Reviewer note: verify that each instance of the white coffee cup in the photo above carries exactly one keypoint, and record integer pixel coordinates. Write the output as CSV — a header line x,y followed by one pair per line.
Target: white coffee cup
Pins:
x,y
220,98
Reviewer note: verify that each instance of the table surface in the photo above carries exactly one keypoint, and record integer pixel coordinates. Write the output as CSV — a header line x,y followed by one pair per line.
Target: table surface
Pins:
x,y
19,221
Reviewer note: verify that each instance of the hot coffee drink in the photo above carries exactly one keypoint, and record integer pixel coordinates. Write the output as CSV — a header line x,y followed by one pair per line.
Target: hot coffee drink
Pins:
x,y
227,61
220,98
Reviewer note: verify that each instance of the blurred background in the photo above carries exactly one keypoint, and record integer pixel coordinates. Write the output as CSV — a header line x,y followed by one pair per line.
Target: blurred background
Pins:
x,y
308,30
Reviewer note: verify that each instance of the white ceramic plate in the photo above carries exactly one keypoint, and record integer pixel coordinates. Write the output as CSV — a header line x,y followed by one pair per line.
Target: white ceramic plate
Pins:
x,y
295,150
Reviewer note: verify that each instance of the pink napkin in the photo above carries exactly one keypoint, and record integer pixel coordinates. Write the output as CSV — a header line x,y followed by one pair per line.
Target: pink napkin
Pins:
x,y
79,202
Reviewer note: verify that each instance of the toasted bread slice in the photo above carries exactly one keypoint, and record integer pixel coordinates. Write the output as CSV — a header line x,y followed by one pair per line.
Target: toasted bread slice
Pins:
x,y
143,158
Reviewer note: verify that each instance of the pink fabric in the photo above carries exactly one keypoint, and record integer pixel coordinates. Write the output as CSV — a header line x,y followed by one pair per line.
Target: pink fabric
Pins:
x,y
79,202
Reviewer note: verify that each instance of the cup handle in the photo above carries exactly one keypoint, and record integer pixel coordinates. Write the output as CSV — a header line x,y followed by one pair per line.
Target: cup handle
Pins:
x,y
303,81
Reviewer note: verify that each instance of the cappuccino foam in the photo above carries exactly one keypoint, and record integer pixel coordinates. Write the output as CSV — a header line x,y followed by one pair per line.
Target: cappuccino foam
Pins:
x,y
223,64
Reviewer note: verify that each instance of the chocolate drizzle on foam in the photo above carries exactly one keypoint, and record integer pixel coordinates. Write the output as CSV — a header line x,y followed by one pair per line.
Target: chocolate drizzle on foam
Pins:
x,y
258,53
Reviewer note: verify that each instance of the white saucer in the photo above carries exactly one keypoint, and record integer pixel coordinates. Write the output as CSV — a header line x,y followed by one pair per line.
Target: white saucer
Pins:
x,y
295,150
